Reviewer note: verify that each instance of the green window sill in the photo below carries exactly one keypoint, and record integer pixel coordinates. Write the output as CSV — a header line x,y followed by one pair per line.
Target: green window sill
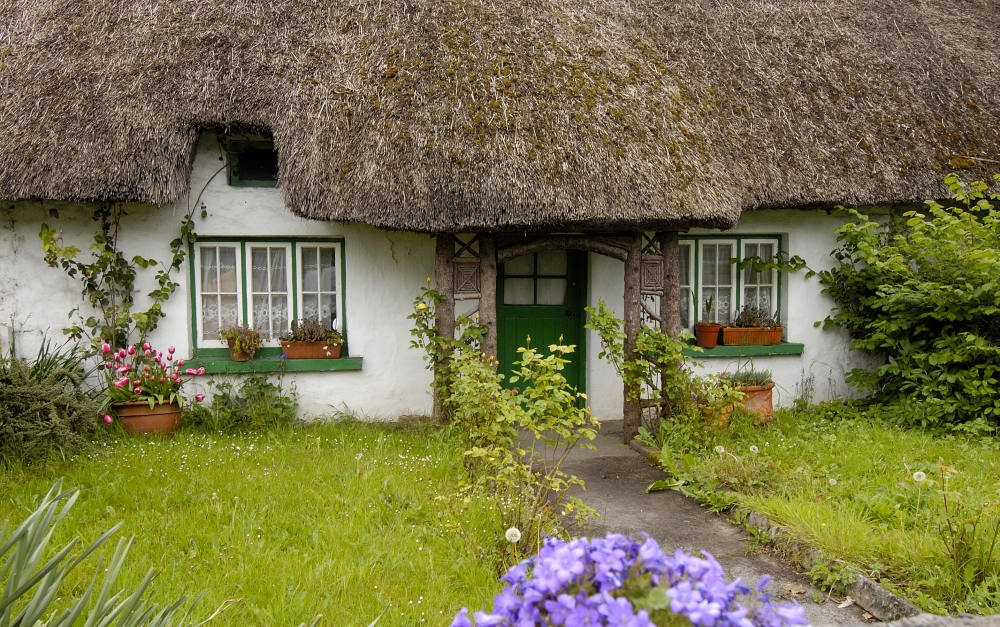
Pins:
x,y
785,348
264,364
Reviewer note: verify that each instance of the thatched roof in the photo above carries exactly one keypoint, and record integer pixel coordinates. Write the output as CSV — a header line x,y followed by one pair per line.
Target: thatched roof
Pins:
x,y
506,114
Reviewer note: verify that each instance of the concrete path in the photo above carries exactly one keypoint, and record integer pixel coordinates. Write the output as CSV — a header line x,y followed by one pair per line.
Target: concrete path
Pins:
x,y
616,478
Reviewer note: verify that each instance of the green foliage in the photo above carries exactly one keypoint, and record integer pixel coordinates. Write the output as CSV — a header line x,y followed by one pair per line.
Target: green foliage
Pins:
x,y
258,404
833,576
687,479
749,378
32,577
923,297
751,316
969,532
109,277
516,441
43,410
312,331
245,339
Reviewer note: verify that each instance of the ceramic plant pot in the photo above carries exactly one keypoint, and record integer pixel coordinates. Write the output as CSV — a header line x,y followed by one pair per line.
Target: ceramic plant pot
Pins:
x,y
707,334
310,350
138,419
758,401
236,355
717,418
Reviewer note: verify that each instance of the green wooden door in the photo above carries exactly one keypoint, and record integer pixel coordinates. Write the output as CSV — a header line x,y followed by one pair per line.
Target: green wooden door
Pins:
x,y
542,296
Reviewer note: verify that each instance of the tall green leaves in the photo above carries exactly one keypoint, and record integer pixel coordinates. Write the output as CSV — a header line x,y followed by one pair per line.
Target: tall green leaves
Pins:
x,y
922,296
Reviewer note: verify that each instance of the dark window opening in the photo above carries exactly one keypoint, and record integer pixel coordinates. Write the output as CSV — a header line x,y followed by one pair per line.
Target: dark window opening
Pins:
x,y
252,163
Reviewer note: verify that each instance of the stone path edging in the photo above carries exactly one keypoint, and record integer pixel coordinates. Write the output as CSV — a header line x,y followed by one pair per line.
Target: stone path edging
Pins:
x,y
867,593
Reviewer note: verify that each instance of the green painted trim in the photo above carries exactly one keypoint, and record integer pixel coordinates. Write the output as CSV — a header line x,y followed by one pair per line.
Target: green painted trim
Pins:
x,y
194,302
785,348
244,297
295,282
270,364
342,312
273,239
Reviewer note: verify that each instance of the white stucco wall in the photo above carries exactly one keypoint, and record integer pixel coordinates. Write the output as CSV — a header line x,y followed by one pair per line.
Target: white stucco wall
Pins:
x,y
384,271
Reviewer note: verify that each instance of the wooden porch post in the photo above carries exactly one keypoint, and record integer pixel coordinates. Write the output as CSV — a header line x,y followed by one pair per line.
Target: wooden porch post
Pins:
x,y
670,310
444,283
488,291
632,413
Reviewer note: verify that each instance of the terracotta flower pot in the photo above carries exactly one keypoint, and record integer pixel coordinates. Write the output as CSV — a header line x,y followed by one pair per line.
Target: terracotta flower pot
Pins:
x,y
138,419
310,350
236,355
718,418
758,401
707,334
751,336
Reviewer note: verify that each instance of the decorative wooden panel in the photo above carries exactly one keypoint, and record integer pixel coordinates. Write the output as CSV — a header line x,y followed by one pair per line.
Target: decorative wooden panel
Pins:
x,y
651,275
467,279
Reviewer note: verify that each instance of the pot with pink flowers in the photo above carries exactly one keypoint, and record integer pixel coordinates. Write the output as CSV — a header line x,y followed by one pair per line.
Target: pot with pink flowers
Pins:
x,y
143,390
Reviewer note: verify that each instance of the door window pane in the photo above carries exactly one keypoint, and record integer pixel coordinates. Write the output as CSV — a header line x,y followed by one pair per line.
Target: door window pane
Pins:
x,y
518,291
521,266
552,263
551,291
319,285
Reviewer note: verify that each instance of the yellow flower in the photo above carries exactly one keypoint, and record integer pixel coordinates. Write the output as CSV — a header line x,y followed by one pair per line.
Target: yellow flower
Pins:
x,y
421,306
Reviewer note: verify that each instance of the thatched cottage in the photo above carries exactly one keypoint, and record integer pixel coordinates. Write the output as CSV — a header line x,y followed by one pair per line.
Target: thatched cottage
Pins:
x,y
534,157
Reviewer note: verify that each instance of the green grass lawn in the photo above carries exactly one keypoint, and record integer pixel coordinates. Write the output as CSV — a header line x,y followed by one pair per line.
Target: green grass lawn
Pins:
x,y
342,519
844,482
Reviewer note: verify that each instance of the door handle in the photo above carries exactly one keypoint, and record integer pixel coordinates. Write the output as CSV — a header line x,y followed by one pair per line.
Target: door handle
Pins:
x,y
569,312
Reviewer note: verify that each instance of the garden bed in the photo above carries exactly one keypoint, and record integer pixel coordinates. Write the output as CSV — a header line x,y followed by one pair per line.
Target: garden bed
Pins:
x,y
342,519
843,480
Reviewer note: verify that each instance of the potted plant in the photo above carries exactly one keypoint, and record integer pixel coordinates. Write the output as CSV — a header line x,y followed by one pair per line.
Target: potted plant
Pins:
x,y
143,388
756,386
707,333
716,395
309,339
753,326
243,341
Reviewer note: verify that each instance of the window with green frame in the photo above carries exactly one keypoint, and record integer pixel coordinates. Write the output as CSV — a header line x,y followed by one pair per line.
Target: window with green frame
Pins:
x,y
266,283
708,271
252,162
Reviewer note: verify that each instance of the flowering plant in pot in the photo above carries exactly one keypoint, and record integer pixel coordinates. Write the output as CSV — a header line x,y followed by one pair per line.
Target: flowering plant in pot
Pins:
x,y
309,339
143,388
716,396
616,580
753,326
707,333
244,341
756,386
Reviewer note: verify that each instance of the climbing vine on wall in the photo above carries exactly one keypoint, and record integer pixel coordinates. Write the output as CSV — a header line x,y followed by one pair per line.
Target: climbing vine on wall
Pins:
x,y
108,278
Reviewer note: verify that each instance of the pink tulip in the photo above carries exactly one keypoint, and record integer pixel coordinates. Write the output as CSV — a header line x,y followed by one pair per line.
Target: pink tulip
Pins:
x,y
147,354
108,419
170,357
117,358
199,398
105,349
156,359
170,350
121,353
180,362
145,368
137,391
146,346
162,379
122,369
201,371
131,350
191,371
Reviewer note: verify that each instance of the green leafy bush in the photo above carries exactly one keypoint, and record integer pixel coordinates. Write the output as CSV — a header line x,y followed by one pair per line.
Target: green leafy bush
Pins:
x,y
43,410
255,405
923,297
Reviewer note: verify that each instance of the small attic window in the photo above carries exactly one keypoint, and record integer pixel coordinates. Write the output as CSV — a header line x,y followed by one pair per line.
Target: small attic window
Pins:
x,y
252,163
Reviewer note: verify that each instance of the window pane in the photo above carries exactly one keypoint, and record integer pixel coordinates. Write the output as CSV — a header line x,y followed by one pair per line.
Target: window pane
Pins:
x,y
227,269
552,262
278,276
551,291
209,270
685,279
229,312
279,314
521,266
258,273
723,304
519,291
310,270
258,163
310,307
328,268
708,271
724,267
210,317
328,310
262,313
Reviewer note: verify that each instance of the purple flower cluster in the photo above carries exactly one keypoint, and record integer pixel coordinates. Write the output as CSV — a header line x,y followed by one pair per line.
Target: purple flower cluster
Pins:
x,y
588,583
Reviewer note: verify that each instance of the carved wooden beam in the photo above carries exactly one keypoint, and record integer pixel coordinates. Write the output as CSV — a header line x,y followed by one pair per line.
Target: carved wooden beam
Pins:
x,y
607,246
444,283
632,412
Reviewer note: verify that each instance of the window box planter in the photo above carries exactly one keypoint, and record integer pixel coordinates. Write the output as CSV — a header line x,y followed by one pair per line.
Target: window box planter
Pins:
x,y
137,418
310,350
751,336
707,334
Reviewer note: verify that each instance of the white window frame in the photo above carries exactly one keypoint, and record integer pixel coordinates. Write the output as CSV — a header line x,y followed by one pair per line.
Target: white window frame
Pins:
x,y
733,279
337,277
775,275
199,317
289,277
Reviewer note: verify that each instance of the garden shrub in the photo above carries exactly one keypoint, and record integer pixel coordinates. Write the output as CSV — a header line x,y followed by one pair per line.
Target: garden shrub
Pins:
x,y
43,409
921,293
256,404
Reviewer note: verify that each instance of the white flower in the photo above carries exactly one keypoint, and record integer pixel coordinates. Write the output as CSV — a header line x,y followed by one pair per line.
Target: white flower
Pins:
x,y
513,534
754,449
720,450
357,457
919,477
833,481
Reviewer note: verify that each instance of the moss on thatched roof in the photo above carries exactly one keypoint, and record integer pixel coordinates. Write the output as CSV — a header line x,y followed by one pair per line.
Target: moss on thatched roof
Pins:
x,y
453,115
